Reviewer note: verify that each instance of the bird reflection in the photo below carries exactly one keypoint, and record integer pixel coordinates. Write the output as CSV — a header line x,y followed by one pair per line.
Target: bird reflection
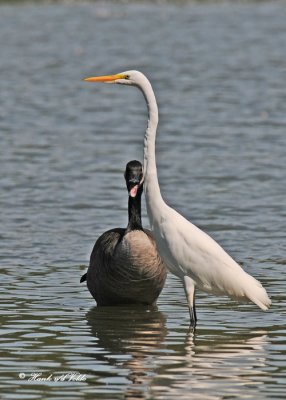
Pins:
x,y
132,337
222,342
213,362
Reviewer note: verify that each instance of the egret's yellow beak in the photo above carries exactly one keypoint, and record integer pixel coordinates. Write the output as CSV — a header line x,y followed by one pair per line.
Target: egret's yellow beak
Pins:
x,y
105,78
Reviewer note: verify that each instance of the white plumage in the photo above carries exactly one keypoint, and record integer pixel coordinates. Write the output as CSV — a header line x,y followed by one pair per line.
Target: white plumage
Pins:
x,y
188,252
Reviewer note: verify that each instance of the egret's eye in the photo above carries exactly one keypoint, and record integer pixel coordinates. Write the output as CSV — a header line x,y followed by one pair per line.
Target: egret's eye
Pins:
x,y
127,77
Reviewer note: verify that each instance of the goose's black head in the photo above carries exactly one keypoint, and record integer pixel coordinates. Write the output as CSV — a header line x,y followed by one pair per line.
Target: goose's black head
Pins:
x,y
134,178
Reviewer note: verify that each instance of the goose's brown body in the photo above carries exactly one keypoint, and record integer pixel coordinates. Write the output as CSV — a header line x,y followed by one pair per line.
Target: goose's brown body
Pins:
x,y
125,268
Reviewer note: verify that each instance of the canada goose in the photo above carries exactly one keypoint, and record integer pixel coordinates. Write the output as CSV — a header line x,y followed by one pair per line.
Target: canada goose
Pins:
x,y
125,267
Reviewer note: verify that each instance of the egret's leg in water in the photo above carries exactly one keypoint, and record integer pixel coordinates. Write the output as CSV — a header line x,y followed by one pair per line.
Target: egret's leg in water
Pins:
x,y
189,286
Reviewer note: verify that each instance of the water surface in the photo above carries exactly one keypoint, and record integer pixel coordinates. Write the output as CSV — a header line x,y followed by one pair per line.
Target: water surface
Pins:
x,y
218,72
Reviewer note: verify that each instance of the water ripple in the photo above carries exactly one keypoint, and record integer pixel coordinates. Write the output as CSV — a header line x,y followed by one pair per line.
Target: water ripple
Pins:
x,y
217,70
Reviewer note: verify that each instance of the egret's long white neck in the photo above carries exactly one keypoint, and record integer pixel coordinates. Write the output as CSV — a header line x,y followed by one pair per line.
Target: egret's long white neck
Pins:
x,y
153,196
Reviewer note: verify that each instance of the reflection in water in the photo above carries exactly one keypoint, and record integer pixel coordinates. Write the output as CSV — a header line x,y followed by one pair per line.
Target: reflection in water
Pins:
x,y
213,365
209,364
132,337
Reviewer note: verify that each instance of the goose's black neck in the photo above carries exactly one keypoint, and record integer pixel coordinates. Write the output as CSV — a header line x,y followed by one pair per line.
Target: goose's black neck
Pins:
x,y
134,213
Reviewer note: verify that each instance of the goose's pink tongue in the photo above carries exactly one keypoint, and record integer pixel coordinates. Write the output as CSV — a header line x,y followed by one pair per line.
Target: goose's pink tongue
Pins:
x,y
133,191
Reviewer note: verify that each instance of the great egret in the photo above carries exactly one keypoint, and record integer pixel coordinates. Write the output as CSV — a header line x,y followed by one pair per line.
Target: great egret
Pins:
x,y
125,267
188,252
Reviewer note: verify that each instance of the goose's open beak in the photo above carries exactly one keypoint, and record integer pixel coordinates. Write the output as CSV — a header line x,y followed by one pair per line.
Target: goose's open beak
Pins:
x,y
133,191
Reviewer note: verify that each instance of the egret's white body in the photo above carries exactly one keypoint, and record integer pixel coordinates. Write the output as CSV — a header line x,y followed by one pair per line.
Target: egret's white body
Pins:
x,y
188,252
